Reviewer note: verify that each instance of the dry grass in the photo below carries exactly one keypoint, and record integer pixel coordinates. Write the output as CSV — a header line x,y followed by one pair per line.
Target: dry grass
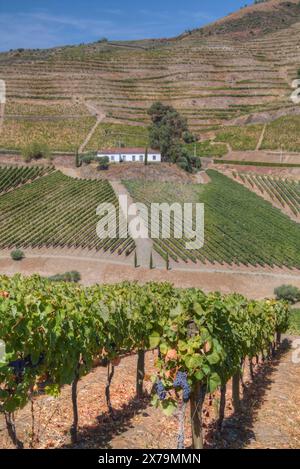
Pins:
x,y
63,134
241,138
283,133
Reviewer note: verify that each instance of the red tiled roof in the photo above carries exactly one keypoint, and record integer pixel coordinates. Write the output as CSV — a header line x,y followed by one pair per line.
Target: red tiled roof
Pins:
x,y
126,151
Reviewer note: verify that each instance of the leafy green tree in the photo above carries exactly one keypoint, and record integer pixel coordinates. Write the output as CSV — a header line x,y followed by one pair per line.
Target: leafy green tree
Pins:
x,y
166,130
158,111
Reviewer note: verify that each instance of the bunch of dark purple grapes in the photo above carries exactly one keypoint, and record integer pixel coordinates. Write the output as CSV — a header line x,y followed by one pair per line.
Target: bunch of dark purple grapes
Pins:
x,y
181,382
20,365
160,390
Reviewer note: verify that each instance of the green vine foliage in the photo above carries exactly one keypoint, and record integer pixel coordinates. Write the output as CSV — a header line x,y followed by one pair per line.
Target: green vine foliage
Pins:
x,y
208,337
53,331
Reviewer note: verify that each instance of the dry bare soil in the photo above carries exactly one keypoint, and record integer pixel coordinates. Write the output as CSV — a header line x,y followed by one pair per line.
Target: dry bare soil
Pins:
x,y
269,418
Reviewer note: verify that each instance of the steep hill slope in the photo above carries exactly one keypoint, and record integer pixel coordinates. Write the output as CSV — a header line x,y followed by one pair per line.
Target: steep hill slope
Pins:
x,y
210,75
258,19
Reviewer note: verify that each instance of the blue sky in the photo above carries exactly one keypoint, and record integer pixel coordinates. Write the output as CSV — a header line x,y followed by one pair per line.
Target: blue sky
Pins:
x,y
48,23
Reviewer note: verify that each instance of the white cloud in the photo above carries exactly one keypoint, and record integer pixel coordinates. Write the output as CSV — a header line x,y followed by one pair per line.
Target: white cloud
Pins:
x,y
41,29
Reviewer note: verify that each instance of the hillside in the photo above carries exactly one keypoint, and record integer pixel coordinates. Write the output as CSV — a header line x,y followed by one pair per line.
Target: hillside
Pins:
x,y
209,74
261,18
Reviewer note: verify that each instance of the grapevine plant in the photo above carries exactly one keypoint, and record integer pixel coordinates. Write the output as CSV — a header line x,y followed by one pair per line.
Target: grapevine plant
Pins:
x,y
55,333
204,343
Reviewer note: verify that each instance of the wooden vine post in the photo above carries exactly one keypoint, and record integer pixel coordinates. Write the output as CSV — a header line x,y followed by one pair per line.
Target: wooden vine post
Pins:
x,y
236,391
74,427
110,375
197,400
222,405
251,368
278,338
11,430
140,374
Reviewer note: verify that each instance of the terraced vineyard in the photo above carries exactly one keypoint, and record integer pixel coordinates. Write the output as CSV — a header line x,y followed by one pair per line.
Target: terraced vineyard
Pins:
x,y
114,135
284,192
212,79
241,138
64,134
207,149
58,211
240,227
12,177
281,134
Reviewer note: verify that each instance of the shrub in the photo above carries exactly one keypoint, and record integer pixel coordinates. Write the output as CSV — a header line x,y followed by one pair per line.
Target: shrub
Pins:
x,y
72,277
183,163
88,158
191,164
288,293
195,162
103,163
188,137
35,151
17,255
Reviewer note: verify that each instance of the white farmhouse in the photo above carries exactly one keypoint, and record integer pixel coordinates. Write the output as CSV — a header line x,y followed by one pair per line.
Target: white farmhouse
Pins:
x,y
130,155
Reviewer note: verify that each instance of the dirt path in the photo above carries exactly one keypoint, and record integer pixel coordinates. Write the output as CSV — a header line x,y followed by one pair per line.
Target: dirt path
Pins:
x,y
100,115
144,246
201,178
276,422
94,269
261,138
263,156
71,172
